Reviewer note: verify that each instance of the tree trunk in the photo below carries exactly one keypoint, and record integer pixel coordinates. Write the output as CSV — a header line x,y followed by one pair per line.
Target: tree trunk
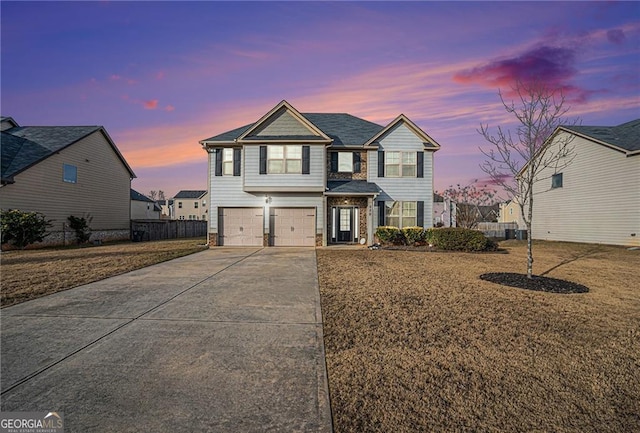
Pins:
x,y
529,240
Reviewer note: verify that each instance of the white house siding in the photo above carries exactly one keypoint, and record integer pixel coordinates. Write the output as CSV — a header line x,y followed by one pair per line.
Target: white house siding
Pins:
x,y
227,191
599,201
102,189
403,188
254,181
143,210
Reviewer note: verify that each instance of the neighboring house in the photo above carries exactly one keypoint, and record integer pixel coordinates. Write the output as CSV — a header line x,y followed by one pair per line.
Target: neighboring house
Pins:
x,y
191,205
596,198
144,208
444,211
167,211
510,213
66,170
307,179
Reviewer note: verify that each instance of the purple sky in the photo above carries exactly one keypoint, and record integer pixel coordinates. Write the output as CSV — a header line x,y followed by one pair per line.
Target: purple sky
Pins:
x,y
160,76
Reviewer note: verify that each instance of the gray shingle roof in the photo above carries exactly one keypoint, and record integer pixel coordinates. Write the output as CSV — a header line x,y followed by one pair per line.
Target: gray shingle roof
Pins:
x,y
352,187
344,129
625,136
19,153
135,195
190,193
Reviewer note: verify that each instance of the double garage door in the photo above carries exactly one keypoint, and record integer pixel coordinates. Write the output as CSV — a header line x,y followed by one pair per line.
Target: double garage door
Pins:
x,y
288,226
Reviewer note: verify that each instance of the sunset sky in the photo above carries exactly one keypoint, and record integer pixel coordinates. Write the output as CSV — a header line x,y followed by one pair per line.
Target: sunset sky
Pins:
x,y
160,76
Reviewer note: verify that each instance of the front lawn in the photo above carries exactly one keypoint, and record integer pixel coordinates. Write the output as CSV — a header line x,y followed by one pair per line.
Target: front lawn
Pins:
x,y
416,342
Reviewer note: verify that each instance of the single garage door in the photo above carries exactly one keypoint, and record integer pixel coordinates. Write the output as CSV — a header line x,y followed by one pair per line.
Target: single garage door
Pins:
x,y
293,227
241,226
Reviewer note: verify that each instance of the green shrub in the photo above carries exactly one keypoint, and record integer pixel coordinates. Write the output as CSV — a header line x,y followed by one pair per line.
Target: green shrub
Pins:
x,y
23,228
81,226
389,235
460,239
414,235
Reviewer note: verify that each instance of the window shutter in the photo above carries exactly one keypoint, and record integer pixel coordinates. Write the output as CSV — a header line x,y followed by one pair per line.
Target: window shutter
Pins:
x,y
381,163
420,164
219,153
420,214
356,162
334,162
263,159
306,157
381,213
237,155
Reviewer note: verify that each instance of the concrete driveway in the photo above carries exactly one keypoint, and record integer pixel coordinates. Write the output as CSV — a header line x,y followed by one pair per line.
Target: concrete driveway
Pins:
x,y
225,340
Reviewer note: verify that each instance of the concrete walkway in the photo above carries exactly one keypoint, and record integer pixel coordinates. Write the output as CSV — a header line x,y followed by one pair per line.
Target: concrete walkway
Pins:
x,y
226,340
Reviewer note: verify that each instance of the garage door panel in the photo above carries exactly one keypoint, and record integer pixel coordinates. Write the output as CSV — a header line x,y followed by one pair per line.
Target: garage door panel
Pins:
x,y
293,226
241,226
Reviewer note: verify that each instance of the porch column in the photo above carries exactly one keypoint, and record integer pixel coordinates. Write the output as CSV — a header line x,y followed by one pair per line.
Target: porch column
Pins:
x,y
369,220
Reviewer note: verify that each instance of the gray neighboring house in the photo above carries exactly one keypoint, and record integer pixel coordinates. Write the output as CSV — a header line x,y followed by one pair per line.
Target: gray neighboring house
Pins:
x,y
143,207
311,179
66,170
596,198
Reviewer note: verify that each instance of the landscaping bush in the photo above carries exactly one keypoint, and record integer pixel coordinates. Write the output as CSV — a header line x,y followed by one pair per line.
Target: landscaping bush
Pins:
x,y
460,239
390,235
414,235
23,228
81,226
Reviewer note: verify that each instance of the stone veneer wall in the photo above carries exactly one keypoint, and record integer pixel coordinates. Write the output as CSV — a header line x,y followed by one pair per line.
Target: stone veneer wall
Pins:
x,y
348,176
213,239
359,202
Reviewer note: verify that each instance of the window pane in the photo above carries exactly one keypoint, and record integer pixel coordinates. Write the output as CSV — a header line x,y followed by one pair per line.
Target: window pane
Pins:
x,y
556,180
392,170
408,171
409,208
276,166
408,221
392,157
69,173
294,166
408,158
345,162
275,152
227,167
294,152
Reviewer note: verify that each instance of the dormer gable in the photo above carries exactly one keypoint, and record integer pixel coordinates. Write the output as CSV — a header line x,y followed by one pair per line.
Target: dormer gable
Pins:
x,y
281,124
403,121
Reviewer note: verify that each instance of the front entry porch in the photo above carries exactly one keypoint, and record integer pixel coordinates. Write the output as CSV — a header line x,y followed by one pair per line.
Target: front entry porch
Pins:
x,y
349,212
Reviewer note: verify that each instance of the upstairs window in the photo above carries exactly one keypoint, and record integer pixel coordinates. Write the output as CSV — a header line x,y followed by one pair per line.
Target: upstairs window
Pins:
x,y
179,205
195,204
345,162
556,180
69,173
400,164
227,161
284,159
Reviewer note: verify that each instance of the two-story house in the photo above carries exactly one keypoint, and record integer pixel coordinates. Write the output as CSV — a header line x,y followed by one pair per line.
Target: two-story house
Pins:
x,y
294,179
189,204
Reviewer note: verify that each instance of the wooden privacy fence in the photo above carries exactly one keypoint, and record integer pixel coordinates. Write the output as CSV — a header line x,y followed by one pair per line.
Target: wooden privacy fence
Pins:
x,y
155,230
497,230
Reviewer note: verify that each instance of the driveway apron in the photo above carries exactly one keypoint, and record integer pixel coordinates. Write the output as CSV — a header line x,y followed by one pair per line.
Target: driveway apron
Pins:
x,y
225,340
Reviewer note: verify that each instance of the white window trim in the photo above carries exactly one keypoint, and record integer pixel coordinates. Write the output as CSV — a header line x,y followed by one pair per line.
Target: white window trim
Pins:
x,y
285,150
400,163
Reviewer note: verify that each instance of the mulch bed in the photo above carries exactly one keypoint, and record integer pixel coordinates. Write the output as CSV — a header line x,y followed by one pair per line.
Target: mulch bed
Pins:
x,y
537,283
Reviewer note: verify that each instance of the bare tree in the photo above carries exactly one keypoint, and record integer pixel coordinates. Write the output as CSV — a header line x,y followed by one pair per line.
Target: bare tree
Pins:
x,y
469,199
161,195
517,161
153,194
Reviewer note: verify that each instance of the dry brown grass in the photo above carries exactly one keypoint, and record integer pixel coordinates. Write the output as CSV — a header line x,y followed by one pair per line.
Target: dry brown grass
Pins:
x,y
30,274
416,342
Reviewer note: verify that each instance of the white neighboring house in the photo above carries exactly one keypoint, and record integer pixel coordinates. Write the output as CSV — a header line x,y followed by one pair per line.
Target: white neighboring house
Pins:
x,y
444,211
596,198
144,208
191,204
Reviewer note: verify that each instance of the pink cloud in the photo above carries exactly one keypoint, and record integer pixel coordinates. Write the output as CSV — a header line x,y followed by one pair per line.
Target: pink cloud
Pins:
x,y
160,75
616,36
553,66
151,104
169,108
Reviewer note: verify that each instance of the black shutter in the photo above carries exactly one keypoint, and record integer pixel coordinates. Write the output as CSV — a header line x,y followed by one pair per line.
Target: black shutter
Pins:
x,y
334,162
219,162
420,162
263,159
237,155
356,162
420,214
306,157
381,213
381,163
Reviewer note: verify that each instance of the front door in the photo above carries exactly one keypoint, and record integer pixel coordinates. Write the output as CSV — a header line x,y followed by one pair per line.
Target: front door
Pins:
x,y
345,224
